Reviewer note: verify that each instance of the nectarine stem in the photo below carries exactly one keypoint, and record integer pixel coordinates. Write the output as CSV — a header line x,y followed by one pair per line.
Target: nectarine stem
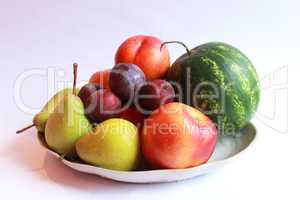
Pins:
x,y
178,42
24,129
75,66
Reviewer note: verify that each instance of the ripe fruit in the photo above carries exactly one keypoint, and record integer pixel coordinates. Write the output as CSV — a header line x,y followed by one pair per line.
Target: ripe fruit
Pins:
x,y
125,79
67,123
131,114
153,94
145,52
102,105
114,144
41,118
86,91
178,136
222,82
101,78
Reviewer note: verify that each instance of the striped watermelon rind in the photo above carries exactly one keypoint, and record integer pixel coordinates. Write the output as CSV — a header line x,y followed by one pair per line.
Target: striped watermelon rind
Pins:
x,y
222,66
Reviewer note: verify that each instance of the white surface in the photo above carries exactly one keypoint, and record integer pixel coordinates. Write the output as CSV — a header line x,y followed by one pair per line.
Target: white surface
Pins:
x,y
228,149
39,34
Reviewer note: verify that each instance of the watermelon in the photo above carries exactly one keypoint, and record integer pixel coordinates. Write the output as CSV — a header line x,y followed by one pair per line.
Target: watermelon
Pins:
x,y
219,80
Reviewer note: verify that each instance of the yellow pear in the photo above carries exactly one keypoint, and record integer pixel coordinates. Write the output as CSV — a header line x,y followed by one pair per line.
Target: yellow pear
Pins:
x,y
113,144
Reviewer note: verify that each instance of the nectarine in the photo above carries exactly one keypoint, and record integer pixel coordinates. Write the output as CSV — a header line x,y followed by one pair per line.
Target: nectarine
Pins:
x,y
145,52
178,136
101,78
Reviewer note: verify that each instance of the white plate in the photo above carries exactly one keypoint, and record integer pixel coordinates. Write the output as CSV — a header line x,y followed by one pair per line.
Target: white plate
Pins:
x,y
227,149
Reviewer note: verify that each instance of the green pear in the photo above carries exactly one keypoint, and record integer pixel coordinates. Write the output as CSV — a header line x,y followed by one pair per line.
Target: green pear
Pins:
x,y
113,144
41,118
66,125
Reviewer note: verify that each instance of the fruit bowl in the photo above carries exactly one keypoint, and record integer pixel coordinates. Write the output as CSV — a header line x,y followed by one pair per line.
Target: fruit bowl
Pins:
x,y
228,149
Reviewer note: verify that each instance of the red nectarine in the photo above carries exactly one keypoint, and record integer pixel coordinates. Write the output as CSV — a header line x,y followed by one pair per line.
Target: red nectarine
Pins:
x,y
178,136
145,52
101,78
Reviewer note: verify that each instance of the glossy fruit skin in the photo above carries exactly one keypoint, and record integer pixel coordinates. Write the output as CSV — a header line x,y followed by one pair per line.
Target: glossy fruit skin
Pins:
x,y
101,78
102,105
177,136
114,144
154,94
86,91
235,78
133,115
125,79
145,52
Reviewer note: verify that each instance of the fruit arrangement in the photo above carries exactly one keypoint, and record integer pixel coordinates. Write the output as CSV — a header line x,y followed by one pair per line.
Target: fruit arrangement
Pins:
x,y
145,113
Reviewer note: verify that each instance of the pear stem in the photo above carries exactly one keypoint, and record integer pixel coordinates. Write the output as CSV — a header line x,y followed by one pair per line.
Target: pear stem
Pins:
x,y
75,66
24,129
178,42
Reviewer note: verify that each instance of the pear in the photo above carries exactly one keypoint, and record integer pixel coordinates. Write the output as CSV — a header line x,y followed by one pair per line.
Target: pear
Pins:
x,y
40,119
113,144
67,123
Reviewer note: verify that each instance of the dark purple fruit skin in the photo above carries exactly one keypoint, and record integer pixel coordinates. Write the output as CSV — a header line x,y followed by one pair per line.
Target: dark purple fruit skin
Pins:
x,y
86,91
124,80
153,94
102,105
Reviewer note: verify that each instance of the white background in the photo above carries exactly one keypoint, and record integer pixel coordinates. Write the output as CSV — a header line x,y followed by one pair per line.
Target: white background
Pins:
x,y
40,34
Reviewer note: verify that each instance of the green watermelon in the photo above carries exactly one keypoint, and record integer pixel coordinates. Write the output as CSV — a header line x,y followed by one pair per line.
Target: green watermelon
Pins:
x,y
219,80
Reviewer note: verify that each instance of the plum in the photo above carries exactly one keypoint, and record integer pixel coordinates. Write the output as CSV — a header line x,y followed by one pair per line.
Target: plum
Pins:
x,y
102,105
153,94
133,115
86,91
124,79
